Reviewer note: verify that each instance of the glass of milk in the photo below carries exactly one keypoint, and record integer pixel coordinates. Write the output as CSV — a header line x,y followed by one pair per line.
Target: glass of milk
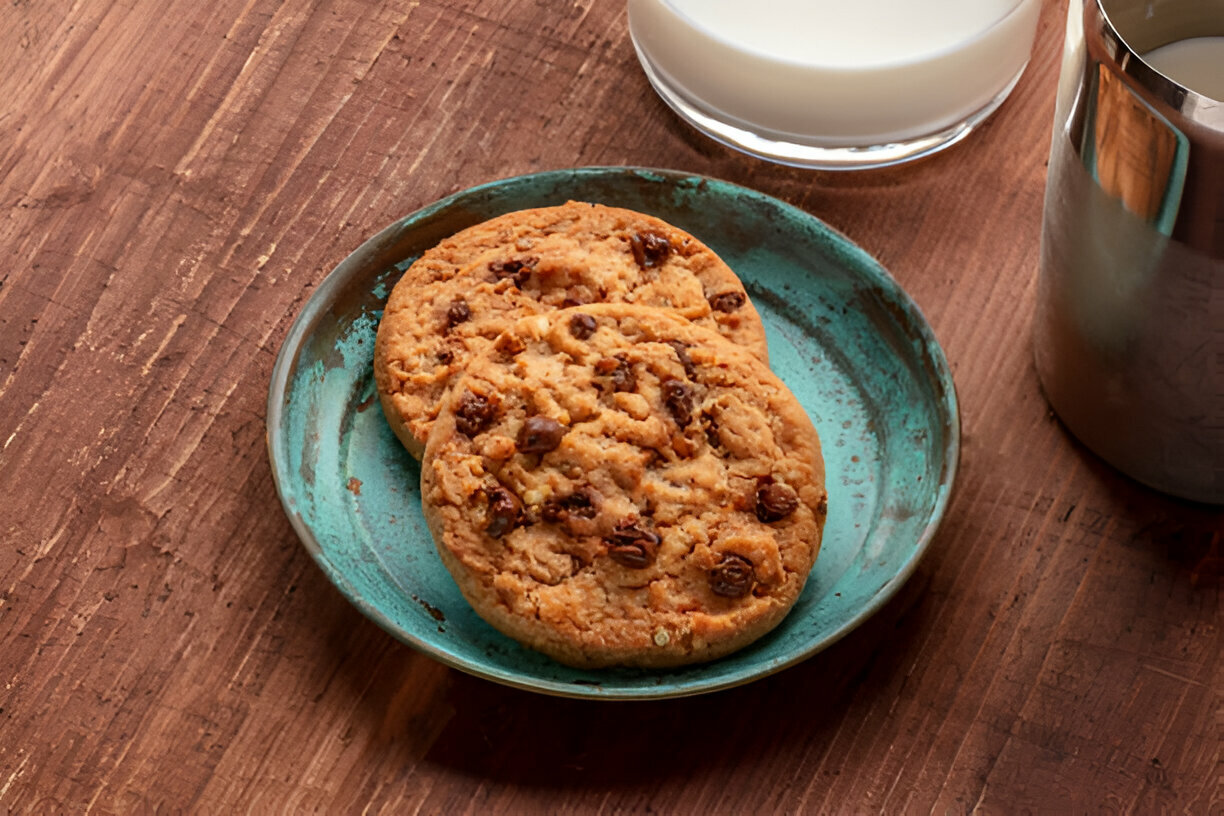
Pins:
x,y
834,84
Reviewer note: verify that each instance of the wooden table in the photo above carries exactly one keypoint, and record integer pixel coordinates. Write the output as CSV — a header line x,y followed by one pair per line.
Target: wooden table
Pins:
x,y
179,176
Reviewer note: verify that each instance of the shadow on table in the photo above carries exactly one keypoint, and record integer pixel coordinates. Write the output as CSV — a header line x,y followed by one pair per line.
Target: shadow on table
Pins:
x,y
780,723
1188,535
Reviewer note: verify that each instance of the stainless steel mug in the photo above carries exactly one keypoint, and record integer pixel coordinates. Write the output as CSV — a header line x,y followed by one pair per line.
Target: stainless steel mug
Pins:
x,y
1129,329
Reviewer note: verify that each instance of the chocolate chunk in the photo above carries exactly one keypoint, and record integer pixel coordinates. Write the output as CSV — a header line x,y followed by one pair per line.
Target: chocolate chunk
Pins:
x,y
553,512
582,326
631,546
690,369
728,301
733,577
623,378
504,510
458,312
475,413
649,249
518,270
540,434
580,503
446,356
678,397
775,501
621,371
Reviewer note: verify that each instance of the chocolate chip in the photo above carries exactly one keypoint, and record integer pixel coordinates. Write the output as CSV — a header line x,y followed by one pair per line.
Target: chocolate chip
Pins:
x,y
678,397
690,369
518,270
580,503
582,326
733,577
775,501
623,378
540,434
636,555
649,249
474,414
458,312
446,356
631,546
619,367
728,301
504,510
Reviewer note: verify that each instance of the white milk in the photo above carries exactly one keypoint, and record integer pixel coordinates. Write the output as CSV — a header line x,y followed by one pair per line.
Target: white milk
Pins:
x,y
1196,63
836,73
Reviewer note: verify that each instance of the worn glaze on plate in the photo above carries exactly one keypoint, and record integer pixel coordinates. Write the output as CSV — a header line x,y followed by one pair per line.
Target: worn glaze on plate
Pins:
x,y
846,339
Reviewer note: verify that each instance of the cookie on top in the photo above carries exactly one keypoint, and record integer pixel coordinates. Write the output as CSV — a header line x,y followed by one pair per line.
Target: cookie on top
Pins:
x,y
460,295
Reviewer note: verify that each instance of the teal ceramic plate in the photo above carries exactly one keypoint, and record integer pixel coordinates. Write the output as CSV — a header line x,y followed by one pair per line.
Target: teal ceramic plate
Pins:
x,y
842,334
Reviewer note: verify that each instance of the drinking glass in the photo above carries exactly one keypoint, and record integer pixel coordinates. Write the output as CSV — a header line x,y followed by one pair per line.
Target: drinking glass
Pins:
x,y
834,84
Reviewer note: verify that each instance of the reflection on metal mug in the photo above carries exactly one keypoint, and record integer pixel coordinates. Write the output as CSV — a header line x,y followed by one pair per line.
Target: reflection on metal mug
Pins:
x,y
1129,330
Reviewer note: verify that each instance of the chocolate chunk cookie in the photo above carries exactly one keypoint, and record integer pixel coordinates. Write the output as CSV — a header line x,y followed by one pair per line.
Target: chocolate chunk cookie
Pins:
x,y
460,295
613,485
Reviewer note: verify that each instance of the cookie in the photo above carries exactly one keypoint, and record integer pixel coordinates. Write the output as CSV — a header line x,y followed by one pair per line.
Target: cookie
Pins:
x,y
454,300
614,485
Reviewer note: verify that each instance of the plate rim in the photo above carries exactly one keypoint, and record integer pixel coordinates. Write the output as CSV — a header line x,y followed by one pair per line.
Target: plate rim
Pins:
x,y
323,295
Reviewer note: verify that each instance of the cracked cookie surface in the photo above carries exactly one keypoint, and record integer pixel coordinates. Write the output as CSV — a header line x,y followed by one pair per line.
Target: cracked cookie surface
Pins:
x,y
613,485
458,296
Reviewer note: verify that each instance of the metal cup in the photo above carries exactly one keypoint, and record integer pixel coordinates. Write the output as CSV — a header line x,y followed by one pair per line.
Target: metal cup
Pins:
x,y
1129,330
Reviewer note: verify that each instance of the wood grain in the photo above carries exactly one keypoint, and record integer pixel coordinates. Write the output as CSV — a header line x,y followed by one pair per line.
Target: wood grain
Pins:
x,y
179,176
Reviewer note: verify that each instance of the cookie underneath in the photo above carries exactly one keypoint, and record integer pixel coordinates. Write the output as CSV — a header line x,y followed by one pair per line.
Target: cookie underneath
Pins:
x,y
612,485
